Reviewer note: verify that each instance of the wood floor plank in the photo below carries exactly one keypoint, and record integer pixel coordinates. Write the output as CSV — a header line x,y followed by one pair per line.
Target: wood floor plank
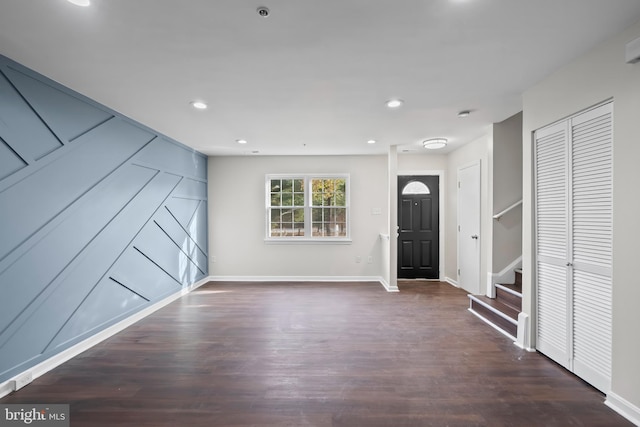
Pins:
x,y
317,354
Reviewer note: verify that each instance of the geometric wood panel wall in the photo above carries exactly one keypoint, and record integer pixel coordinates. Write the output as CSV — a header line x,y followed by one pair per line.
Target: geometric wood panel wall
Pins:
x,y
99,217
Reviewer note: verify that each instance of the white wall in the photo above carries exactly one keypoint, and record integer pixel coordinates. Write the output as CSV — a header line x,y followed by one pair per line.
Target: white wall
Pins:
x,y
237,219
595,77
507,189
479,149
424,162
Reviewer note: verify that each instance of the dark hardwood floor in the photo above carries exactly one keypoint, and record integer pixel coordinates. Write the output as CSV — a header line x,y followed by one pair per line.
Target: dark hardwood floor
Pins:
x,y
317,354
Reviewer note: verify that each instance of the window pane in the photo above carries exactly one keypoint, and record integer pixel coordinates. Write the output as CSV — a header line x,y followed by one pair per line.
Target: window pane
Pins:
x,y
275,215
298,185
286,215
287,185
275,199
287,199
337,214
298,199
316,214
316,229
298,215
275,185
275,229
330,215
298,228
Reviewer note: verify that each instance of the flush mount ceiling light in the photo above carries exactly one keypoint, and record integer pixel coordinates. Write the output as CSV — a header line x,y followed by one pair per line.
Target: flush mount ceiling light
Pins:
x,y
371,141
434,144
394,103
83,3
199,105
464,113
241,141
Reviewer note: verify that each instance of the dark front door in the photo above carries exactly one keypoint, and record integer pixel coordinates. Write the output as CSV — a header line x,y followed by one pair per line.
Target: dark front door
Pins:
x,y
418,228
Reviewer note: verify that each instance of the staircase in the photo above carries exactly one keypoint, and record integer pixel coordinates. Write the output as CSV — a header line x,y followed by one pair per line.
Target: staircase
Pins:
x,y
502,311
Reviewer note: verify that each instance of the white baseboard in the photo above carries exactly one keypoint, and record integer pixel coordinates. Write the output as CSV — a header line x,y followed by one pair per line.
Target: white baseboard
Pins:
x,y
623,407
451,281
378,279
45,366
296,278
522,340
389,287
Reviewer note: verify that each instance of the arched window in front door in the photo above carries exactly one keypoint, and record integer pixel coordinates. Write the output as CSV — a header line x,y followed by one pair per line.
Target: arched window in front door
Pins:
x,y
416,187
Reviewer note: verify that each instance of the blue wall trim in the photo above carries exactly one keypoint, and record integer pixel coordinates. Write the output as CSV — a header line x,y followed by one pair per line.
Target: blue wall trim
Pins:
x,y
100,217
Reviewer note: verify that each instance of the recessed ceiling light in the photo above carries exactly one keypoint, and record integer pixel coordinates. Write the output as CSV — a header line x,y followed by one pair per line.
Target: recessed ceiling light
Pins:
x,y
199,105
371,141
434,144
464,113
394,103
241,141
83,3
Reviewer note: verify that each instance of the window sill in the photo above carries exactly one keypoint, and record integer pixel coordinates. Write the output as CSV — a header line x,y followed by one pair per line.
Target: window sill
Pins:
x,y
307,241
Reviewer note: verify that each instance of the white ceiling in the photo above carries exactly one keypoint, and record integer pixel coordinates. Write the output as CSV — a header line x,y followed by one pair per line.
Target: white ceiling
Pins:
x,y
313,77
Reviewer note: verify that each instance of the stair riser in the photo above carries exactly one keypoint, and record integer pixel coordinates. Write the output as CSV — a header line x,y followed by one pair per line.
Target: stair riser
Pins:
x,y
505,325
518,279
509,298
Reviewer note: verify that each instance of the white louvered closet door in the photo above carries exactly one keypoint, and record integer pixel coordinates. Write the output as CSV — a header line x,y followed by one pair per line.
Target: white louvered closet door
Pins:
x,y
591,222
574,167
552,225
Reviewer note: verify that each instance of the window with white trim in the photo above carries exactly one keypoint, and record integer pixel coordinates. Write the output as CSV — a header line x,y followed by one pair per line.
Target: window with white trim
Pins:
x,y
307,207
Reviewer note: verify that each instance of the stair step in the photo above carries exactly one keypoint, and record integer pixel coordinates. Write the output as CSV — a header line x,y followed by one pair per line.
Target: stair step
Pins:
x,y
505,310
500,315
510,295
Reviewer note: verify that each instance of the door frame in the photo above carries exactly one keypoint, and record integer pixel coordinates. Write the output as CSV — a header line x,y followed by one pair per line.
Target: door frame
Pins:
x,y
441,214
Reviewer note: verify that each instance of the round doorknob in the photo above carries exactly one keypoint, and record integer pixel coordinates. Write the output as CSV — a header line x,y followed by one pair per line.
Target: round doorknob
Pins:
x,y
475,236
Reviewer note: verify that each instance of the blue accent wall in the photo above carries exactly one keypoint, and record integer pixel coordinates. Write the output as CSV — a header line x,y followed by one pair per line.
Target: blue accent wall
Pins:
x,y
100,217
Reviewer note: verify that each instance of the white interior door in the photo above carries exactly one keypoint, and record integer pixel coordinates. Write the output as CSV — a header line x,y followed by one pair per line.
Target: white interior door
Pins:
x,y
469,228
591,243
552,237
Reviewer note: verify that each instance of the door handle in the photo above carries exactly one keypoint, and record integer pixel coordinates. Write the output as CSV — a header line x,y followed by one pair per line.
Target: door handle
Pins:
x,y
475,236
